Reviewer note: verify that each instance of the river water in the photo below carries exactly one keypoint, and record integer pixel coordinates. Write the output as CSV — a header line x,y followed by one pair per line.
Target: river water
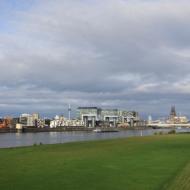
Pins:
x,y
27,139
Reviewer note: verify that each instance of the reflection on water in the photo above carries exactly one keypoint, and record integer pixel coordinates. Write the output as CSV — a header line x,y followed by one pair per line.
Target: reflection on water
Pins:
x,y
26,139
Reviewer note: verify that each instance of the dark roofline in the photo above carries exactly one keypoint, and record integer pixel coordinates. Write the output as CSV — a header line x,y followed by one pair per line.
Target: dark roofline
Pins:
x,y
88,108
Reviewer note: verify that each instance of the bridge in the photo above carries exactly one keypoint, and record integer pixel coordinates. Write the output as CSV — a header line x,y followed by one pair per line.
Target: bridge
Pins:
x,y
168,125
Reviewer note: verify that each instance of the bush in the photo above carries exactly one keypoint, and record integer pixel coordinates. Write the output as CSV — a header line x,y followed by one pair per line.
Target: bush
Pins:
x,y
172,131
35,144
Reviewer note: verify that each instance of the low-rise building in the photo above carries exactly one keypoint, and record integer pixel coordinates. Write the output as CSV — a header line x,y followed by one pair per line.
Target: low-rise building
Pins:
x,y
178,120
29,120
61,121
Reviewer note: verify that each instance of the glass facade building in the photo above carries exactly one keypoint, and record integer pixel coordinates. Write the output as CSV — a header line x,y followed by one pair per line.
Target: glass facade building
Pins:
x,y
94,116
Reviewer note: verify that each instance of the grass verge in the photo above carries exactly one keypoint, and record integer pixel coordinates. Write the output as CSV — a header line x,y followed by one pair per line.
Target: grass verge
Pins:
x,y
138,163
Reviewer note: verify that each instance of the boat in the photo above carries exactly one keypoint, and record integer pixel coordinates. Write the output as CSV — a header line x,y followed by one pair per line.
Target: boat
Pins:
x,y
105,130
97,130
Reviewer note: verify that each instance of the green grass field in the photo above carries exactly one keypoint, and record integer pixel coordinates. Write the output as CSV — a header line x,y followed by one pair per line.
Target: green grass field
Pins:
x,y
138,163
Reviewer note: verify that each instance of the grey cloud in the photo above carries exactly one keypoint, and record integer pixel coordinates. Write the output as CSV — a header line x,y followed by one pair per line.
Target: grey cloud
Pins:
x,y
127,54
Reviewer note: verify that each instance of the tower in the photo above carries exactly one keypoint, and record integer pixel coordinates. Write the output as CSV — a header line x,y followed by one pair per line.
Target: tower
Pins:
x,y
172,112
149,119
69,111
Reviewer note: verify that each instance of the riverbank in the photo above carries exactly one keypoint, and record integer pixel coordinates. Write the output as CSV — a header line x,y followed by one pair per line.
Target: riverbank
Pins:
x,y
60,129
56,137
36,130
145,163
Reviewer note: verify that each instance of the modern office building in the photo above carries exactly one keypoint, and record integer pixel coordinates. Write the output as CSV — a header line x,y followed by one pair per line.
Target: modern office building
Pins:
x,y
29,120
109,117
94,116
89,115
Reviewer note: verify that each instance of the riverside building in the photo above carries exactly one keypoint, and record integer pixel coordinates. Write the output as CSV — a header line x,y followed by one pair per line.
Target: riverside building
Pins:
x,y
29,120
176,119
94,116
61,121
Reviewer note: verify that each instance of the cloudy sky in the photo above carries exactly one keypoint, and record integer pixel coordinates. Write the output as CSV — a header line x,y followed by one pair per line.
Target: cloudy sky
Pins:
x,y
128,54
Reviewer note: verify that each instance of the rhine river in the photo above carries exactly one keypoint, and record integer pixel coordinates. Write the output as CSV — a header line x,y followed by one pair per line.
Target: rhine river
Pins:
x,y
28,139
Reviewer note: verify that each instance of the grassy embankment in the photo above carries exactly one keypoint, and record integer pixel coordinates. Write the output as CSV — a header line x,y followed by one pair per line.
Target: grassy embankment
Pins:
x,y
139,163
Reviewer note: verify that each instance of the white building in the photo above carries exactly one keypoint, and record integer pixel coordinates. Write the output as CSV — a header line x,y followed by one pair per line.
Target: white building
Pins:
x,y
29,119
60,121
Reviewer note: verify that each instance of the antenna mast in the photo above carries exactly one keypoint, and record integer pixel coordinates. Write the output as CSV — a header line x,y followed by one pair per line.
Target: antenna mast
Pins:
x,y
69,110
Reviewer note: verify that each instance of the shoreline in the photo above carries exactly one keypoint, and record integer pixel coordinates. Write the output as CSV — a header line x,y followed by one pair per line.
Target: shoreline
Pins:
x,y
63,129
31,138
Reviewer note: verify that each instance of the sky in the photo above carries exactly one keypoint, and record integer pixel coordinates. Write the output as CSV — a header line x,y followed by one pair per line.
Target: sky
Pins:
x,y
126,54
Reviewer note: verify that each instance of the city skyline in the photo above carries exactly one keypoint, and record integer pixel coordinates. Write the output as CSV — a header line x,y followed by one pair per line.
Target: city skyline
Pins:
x,y
72,113
131,55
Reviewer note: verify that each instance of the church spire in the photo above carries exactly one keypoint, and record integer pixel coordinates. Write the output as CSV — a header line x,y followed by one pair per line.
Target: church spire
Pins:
x,y
173,112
